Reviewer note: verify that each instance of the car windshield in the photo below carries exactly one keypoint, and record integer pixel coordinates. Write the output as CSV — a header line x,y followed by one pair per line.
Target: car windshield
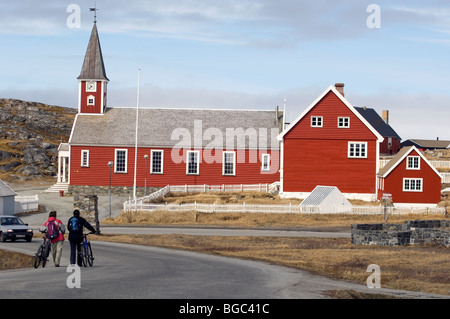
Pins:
x,y
11,221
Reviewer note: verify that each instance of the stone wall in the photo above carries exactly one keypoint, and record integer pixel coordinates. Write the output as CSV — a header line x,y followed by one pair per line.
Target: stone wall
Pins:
x,y
104,190
88,207
411,232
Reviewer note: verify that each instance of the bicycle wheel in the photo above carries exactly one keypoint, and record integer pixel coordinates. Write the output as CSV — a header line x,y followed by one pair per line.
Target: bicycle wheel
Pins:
x,y
45,252
83,256
89,255
37,257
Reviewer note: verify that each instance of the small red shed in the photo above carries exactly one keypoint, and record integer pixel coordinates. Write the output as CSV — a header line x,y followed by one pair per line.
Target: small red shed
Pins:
x,y
410,178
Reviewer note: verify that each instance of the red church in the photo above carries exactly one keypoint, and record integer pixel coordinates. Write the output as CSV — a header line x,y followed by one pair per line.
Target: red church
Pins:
x,y
155,147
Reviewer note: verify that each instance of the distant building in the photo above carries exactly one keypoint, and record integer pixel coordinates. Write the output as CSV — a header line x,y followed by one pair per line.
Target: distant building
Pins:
x,y
427,144
392,141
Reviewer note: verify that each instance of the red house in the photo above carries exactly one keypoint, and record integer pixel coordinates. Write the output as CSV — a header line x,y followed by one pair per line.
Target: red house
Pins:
x,y
410,179
155,147
330,144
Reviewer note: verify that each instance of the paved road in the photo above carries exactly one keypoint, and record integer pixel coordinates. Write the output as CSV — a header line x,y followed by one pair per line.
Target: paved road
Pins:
x,y
134,271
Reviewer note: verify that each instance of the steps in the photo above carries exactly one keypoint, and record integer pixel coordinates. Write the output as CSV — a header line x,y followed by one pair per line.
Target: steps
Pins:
x,y
56,188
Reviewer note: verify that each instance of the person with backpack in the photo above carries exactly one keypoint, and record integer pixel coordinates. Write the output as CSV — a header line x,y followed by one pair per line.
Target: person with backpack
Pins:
x,y
75,226
54,230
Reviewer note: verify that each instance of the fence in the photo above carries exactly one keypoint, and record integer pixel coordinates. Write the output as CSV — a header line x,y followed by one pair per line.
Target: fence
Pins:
x,y
140,205
24,204
445,177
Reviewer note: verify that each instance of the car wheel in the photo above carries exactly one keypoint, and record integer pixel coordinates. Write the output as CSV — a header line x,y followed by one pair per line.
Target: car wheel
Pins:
x,y
2,238
28,239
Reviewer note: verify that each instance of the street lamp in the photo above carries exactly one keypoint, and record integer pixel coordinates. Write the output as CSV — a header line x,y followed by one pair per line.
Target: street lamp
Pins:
x,y
110,164
145,175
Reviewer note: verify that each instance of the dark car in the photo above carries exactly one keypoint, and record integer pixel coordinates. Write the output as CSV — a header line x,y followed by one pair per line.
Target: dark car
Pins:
x,y
12,227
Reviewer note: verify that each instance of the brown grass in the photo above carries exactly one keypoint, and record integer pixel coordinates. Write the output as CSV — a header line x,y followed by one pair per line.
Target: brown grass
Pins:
x,y
13,260
412,268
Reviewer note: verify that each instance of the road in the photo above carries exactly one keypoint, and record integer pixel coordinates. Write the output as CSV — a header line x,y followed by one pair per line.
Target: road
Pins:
x,y
138,272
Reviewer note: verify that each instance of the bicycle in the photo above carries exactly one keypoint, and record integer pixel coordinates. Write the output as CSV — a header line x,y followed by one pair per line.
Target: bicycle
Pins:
x,y
42,253
85,254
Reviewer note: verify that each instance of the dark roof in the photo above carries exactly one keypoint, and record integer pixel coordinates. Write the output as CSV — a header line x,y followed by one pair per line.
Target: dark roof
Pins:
x,y
159,127
428,144
93,66
377,122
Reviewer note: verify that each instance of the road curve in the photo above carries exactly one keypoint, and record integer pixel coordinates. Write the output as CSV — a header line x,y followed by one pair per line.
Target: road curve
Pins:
x,y
134,271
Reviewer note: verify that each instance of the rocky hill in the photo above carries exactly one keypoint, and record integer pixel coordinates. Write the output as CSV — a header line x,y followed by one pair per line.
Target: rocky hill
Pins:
x,y
30,134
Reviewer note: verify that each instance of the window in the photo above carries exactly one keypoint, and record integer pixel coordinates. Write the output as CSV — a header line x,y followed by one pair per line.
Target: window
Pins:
x,y
192,163
316,121
357,149
343,122
229,163
265,162
412,184
121,161
413,162
156,162
84,158
91,100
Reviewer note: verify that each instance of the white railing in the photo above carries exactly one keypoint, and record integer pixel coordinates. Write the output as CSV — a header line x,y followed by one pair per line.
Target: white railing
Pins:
x,y
445,177
283,209
440,164
24,204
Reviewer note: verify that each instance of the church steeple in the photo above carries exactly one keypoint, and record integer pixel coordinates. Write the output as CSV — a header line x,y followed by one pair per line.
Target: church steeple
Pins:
x,y
93,79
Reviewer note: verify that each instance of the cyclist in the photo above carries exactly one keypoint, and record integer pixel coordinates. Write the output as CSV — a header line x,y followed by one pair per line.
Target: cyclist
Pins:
x,y
75,226
56,240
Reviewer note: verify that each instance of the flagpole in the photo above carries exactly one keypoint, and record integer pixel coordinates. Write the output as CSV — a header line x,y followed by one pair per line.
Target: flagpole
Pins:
x,y
137,125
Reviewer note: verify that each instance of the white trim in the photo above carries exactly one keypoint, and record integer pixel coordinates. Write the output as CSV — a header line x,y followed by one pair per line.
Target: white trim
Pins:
x,y
198,163
234,163
79,98
413,190
93,100
87,158
318,119
354,151
413,168
351,108
343,121
126,160
268,162
162,162
405,155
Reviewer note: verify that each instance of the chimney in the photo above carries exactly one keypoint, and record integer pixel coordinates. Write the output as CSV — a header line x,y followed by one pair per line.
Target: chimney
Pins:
x,y
340,88
385,116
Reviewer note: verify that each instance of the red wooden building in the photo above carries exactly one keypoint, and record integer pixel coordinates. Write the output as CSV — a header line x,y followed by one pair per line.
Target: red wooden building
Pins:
x,y
174,146
410,179
331,144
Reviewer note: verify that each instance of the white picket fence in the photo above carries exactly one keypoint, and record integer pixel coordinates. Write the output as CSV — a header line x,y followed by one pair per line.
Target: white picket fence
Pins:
x,y
24,204
282,209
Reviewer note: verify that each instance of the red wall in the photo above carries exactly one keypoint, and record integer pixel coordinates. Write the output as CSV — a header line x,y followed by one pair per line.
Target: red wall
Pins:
x,y
384,147
393,184
97,108
319,156
173,173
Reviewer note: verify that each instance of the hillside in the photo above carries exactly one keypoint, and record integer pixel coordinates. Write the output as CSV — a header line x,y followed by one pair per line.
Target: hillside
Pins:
x,y
30,134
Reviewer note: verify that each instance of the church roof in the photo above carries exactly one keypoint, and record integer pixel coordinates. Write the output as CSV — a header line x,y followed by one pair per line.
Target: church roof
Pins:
x,y
93,66
159,127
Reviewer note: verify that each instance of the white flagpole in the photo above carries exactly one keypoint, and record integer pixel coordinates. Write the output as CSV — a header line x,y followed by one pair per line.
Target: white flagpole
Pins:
x,y
137,125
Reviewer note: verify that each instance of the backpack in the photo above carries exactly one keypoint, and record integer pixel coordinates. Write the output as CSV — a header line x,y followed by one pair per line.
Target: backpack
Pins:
x,y
74,224
52,230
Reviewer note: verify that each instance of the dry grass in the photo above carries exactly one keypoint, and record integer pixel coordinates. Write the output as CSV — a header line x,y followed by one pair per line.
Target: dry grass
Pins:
x,y
13,260
412,268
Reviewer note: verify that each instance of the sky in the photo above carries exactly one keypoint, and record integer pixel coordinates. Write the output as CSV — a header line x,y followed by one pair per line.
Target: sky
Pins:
x,y
241,54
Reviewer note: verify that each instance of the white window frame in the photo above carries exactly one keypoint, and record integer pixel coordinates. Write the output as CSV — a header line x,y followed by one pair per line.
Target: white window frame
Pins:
x,y
84,155
410,165
265,162
116,161
343,122
316,121
407,185
197,168
151,161
89,98
224,163
357,146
